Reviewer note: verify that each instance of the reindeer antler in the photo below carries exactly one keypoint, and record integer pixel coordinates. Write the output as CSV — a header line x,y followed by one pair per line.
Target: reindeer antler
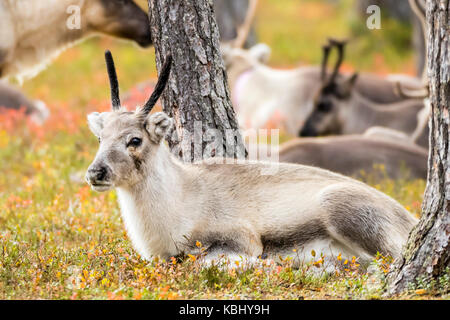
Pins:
x,y
340,45
245,27
159,88
113,82
419,9
160,85
326,53
412,93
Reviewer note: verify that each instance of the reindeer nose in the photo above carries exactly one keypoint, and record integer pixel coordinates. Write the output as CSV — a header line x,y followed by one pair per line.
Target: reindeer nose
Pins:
x,y
96,175
101,173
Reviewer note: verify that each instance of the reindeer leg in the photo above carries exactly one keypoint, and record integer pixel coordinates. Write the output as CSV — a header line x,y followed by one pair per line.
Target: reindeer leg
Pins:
x,y
243,249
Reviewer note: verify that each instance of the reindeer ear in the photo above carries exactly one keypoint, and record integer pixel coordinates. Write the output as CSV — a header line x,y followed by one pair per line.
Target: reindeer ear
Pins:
x,y
261,52
157,126
347,85
95,122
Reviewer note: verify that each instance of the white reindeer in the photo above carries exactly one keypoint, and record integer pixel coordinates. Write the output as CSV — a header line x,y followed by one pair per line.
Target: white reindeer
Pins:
x,y
168,206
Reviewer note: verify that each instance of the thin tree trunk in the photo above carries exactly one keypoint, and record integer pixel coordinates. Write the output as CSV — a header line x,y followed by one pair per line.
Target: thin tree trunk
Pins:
x,y
427,253
197,95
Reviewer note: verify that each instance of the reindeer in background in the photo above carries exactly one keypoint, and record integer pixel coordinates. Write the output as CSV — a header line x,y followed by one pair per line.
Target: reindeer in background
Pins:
x,y
357,155
12,99
261,93
33,32
340,109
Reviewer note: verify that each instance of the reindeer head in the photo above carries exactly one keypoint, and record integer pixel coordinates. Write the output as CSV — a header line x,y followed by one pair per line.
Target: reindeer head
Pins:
x,y
326,115
128,140
119,18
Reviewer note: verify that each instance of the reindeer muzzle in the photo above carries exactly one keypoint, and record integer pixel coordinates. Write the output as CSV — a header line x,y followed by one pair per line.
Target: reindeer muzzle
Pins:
x,y
99,177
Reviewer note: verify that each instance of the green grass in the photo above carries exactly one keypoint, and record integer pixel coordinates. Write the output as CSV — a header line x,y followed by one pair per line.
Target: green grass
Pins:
x,y
60,240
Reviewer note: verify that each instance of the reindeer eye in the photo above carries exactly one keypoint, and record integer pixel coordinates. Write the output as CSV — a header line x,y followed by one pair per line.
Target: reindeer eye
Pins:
x,y
324,107
135,142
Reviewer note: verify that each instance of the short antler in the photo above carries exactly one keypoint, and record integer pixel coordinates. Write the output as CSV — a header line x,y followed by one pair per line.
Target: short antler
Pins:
x,y
340,45
162,81
114,84
244,29
326,53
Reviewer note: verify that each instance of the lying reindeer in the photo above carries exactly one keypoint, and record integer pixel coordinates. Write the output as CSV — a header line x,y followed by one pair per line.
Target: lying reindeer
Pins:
x,y
33,32
12,98
260,93
340,109
353,155
168,206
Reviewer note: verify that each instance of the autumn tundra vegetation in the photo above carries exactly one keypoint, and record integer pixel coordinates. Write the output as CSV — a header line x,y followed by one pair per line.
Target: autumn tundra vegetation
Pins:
x,y
60,239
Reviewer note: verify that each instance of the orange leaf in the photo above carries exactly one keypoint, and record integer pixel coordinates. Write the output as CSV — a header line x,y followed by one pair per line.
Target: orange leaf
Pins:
x,y
420,291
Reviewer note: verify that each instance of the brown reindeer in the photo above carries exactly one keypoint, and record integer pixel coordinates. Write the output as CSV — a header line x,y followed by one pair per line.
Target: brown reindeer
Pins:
x,y
33,32
355,155
12,99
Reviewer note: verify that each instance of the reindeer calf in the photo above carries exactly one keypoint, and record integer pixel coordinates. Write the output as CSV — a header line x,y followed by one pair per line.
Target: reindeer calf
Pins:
x,y
232,209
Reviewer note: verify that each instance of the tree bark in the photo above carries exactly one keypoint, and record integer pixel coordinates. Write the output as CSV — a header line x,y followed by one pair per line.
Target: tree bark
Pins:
x,y
427,253
197,95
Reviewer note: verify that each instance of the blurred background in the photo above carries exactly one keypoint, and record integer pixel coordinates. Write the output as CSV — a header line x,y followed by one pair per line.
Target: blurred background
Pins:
x,y
294,29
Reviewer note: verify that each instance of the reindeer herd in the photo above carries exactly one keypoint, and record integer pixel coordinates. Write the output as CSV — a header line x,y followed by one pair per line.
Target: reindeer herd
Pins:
x,y
310,203
368,119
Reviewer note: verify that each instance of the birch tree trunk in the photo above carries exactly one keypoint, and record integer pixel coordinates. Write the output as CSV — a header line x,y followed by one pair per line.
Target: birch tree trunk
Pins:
x,y
197,95
427,253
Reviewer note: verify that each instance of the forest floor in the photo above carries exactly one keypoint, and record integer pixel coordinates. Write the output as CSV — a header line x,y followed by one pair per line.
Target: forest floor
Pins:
x,y
60,240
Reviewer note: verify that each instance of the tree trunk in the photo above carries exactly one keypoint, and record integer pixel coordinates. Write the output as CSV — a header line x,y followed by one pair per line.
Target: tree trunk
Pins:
x,y
427,253
197,95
